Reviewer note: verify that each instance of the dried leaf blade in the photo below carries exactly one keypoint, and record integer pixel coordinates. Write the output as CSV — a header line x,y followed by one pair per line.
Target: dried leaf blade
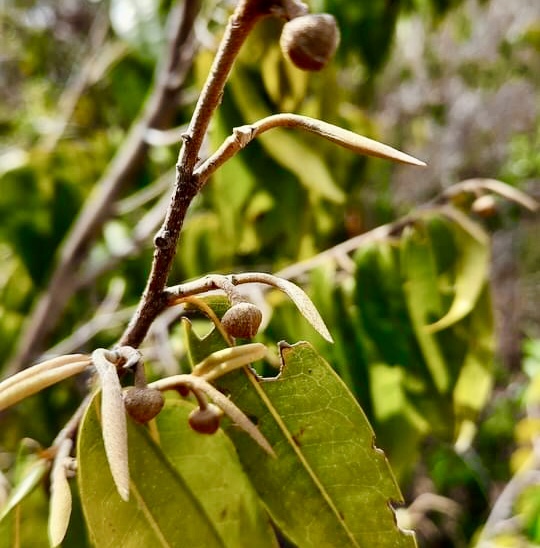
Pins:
x,y
60,501
114,424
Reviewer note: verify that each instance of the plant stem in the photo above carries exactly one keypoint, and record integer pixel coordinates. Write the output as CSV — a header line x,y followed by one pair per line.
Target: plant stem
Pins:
x,y
187,185
158,110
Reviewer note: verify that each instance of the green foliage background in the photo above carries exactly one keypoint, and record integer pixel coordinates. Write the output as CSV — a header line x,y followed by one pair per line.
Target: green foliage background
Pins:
x,y
446,81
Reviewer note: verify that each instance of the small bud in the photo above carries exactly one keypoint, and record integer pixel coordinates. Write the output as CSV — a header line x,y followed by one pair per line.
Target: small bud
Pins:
x,y
205,421
143,404
310,41
485,206
242,320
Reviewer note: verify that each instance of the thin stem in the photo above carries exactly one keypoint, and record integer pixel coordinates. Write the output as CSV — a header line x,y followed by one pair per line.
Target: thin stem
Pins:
x,y
187,185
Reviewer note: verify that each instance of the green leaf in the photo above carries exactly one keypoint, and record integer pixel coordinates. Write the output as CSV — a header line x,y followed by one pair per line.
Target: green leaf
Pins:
x,y
285,148
328,485
23,518
470,271
394,413
210,467
423,299
475,380
161,511
35,471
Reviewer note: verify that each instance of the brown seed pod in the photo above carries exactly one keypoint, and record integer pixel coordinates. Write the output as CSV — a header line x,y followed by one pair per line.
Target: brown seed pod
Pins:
x,y
205,421
242,320
310,41
143,404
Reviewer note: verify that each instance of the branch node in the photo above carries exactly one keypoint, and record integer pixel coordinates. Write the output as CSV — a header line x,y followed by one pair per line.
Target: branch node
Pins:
x,y
163,240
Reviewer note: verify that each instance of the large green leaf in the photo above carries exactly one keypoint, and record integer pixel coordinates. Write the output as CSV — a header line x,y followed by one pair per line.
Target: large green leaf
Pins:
x,y
423,299
210,467
328,485
161,511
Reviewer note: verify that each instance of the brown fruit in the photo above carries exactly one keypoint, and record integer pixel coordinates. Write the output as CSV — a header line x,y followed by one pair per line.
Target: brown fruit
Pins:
x,y
143,404
242,320
205,421
310,41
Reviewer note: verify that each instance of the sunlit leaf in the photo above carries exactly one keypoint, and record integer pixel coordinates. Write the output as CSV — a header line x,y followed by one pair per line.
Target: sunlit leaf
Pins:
x,y
475,379
162,510
470,271
113,417
211,469
423,298
60,498
34,473
327,473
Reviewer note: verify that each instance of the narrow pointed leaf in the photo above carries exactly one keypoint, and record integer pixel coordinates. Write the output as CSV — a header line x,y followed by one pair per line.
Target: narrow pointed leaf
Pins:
x,y
471,270
340,136
113,417
329,486
421,291
60,500
34,474
297,296
502,189
162,510
22,385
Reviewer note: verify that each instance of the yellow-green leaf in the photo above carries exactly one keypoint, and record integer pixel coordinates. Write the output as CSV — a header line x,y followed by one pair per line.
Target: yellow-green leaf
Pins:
x,y
210,467
470,272
328,485
161,511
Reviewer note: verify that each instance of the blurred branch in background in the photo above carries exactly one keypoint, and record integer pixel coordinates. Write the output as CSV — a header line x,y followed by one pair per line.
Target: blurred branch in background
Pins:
x,y
157,113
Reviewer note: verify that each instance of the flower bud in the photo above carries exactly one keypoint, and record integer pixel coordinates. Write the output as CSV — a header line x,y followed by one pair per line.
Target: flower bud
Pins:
x,y
485,206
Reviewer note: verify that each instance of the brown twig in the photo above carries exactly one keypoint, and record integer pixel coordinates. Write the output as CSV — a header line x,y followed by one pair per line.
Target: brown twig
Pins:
x,y
187,185
243,135
157,113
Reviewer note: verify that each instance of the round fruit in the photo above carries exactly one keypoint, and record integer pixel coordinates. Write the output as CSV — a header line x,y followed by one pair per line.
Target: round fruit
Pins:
x,y
242,320
310,41
143,404
205,421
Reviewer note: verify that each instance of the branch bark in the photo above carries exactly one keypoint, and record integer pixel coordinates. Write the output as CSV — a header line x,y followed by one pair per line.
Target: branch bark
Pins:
x,y
187,184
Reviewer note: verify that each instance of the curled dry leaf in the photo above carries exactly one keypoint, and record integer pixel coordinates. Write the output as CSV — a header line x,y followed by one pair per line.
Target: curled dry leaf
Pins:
x,y
60,500
228,359
40,376
502,189
342,137
113,418
297,295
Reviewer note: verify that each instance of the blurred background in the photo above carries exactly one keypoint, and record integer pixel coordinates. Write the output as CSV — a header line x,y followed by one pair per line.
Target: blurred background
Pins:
x,y
84,111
